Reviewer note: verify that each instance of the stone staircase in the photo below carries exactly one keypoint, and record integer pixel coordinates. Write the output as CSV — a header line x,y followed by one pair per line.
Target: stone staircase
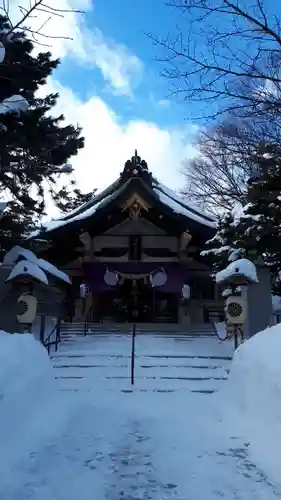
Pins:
x,y
78,328
163,363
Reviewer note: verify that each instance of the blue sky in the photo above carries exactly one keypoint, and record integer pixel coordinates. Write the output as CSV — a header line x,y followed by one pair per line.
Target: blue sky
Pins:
x,y
127,23
109,82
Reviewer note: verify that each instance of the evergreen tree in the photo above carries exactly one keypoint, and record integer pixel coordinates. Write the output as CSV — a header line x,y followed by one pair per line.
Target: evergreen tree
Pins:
x,y
223,248
67,201
34,146
15,226
259,229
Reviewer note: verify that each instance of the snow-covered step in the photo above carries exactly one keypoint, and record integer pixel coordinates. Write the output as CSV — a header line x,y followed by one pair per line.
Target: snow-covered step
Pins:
x,y
78,328
162,363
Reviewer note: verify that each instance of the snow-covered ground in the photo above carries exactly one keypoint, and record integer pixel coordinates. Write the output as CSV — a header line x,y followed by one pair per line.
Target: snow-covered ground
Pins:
x,y
162,439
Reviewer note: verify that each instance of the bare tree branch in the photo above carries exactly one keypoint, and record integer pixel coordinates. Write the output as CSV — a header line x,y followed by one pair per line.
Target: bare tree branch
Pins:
x,y
227,157
225,51
29,13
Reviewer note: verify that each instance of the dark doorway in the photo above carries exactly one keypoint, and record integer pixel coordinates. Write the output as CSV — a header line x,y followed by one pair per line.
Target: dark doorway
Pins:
x,y
134,301
140,303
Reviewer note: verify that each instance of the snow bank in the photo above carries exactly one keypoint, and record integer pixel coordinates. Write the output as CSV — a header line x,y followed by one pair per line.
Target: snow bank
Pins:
x,y
28,398
254,390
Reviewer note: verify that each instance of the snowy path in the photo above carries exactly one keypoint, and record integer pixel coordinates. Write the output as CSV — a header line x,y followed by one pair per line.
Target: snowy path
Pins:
x,y
159,441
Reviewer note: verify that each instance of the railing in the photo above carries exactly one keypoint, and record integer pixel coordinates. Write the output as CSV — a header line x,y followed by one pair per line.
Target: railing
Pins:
x,y
50,340
87,320
133,354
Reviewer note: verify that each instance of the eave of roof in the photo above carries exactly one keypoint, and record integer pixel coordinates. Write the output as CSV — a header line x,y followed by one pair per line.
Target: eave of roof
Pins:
x,y
160,192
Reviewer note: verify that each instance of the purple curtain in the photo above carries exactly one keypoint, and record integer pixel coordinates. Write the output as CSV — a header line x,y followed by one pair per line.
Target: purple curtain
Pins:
x,y
177,274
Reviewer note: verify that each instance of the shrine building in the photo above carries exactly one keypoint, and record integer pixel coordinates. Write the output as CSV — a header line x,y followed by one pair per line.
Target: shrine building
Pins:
x,y
136,246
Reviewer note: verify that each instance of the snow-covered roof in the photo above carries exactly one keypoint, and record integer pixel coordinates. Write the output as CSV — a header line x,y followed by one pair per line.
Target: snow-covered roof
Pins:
x,y
27,268
180,206
241,268
18,252
161,193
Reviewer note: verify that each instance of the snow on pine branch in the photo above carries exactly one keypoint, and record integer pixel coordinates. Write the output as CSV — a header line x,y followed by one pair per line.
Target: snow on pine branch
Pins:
x,y
215,251
13,104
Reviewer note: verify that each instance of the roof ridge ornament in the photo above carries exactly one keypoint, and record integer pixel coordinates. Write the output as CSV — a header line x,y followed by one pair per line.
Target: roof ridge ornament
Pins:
x,y
136,167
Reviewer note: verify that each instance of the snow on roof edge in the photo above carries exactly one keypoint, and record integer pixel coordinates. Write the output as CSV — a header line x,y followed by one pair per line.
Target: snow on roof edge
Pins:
x,y
177,208
93,201
189,206
55,224
88,209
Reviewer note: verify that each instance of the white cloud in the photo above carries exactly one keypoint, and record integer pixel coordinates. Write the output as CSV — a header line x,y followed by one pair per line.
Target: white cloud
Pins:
x,y
109,144
120,68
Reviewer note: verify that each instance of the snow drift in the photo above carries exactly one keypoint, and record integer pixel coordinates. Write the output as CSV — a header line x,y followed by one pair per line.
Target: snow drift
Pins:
x,y
28,398
254,388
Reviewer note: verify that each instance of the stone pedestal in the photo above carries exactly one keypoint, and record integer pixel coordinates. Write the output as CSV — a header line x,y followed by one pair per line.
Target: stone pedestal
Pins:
x,y
259,302
184,318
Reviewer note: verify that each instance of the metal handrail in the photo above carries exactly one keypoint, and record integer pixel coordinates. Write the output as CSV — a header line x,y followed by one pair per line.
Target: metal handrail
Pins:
x,y
86,322
133,354
216,332
47,343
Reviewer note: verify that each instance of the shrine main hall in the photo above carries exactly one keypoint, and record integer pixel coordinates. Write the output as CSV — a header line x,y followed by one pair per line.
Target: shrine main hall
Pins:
x,y
137,248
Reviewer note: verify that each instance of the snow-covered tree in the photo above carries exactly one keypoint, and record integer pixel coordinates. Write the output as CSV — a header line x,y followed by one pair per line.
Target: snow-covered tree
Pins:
x,y
224,247
67,200
34,146
257,229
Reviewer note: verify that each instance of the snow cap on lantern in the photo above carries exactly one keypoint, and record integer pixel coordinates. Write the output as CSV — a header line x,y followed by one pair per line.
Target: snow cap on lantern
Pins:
x,y
158,278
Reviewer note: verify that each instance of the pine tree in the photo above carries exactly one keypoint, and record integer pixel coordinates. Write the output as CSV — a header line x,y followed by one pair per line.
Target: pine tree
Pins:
x,y
67,201
16,225
259,229
34,146
224,248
